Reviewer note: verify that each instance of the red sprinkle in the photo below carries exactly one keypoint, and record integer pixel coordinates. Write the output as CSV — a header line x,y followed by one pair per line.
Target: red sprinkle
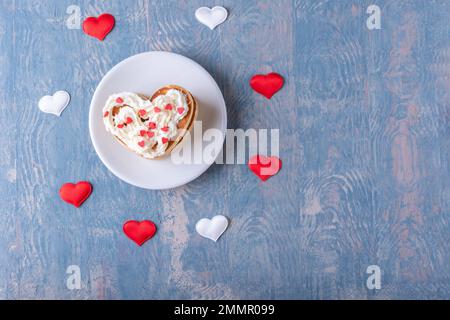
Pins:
x,y
152,125
157,109
120,126
164,140
142,112
150,134
119,100
180,110
168,107
142,133
129,120
106,114
165,129
141,144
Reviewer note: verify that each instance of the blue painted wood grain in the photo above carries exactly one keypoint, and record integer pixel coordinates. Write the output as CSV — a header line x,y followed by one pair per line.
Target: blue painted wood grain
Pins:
x,y
364,127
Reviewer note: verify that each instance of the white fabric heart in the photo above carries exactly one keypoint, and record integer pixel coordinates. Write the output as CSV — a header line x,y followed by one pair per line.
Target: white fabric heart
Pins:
x,y
211,17
212,228
54,104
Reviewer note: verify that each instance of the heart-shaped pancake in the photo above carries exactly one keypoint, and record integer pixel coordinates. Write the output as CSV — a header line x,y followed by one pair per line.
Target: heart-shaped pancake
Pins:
x,y
151,127
139,231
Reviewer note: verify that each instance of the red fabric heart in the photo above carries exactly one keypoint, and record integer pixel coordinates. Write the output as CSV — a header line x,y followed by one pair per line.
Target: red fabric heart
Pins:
x,y
267,84
139,231
99,27
75,194
264,167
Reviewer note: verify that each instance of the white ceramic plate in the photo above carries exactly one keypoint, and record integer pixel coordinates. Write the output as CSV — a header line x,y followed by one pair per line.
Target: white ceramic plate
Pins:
x,y
145,73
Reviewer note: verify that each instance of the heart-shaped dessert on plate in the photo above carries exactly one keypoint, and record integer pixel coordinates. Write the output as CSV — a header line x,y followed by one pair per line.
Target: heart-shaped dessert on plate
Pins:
x,y
150,126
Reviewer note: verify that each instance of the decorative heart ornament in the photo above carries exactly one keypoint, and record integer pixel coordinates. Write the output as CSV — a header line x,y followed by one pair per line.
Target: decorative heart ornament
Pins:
x,y
139,231
54,104
264,167
99,27
75,194
267,84
150,126
211,17
212,229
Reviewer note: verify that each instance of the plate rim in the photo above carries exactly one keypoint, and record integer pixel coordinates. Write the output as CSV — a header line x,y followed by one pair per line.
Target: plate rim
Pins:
x,y
102,157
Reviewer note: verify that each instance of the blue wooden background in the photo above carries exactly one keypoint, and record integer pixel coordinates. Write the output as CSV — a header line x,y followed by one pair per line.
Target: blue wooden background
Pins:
x,y
364,127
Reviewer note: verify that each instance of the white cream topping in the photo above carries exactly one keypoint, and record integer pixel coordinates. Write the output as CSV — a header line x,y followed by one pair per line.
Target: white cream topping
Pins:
x,y
144,126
